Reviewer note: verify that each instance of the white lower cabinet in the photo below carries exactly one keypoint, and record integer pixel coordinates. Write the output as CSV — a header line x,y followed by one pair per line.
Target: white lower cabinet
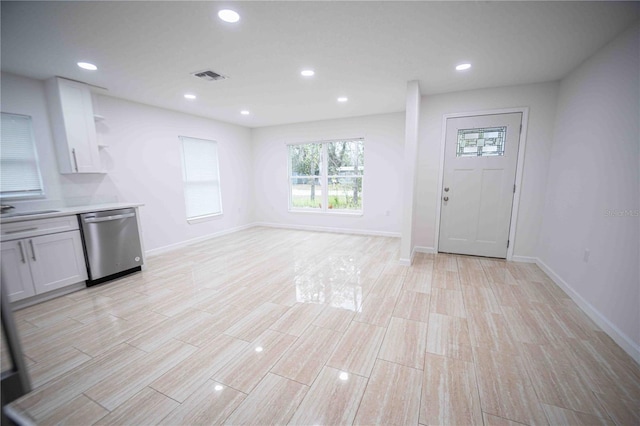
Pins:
x,y
16,273
41,264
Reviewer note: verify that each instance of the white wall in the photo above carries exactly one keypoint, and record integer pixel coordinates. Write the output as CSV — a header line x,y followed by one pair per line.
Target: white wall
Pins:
x,y
383,135
21,95
594,168
143,161
541,100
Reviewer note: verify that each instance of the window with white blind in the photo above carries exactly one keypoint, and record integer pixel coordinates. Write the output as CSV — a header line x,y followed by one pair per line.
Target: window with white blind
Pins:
x,y
201,178
19,170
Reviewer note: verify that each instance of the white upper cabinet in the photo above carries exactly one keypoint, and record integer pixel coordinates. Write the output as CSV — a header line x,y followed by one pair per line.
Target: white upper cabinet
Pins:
x,y
73,125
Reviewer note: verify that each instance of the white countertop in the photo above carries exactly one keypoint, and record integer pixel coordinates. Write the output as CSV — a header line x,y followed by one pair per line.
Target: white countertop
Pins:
x,y
66,211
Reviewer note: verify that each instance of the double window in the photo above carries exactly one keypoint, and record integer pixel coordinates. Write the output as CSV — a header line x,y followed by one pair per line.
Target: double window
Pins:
x,y
201,178
19,171
326,176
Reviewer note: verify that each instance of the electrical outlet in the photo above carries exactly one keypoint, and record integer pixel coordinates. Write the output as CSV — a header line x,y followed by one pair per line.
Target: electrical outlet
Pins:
x,y
585,257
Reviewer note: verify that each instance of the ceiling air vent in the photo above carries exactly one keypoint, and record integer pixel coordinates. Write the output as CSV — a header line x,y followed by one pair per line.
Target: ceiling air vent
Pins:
x,y
209,75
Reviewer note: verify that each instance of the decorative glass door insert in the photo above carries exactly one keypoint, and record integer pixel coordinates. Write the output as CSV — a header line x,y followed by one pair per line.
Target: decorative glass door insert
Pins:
x,y
482,142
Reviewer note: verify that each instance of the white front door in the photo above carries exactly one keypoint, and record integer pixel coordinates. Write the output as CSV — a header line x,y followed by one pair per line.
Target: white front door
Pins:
x,y
481,154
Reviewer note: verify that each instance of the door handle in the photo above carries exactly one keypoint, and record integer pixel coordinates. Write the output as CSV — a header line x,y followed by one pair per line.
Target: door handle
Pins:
x,y
446,198
21,252
108,218
75,160
33,251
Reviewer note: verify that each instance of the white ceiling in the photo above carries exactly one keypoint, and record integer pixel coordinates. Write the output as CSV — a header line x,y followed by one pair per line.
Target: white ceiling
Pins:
x,y
366,51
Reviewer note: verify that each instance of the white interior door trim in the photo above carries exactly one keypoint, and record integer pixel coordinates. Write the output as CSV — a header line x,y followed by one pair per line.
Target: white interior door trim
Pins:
x,y
519,169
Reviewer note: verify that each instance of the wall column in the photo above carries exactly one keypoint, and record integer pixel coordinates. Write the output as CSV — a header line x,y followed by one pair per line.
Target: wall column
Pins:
x,y
412,116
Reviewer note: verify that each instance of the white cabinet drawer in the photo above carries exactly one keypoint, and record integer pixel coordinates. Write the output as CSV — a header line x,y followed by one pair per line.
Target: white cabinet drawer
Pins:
x,y
32,228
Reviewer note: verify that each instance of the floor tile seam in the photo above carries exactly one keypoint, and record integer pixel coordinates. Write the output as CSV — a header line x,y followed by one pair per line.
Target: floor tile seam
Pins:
x,y
343,370
422,385
201,345
337,331
245,340
62,333
510,336
528,377
477,377
84,393
35,387
506,418
212,378
515,340
271,366
595,396
150,386
293,380
604,407
411,320
48,316
368,380
306,328
355,319
224,421
37,328
420,370
386,331
101,418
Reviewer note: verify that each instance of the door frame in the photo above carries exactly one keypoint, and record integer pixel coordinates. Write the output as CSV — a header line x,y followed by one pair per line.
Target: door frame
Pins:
x,y
519,168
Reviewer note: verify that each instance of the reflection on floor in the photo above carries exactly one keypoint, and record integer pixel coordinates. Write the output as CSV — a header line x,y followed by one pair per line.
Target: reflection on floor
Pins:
x,y
270,326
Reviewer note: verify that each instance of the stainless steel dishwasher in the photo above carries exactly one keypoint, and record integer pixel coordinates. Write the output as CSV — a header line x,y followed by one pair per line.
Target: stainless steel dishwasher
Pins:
x,y
111,243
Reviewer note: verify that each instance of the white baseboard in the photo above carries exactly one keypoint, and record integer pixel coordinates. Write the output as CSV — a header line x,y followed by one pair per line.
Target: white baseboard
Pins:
x,y
524,259
39,298
171,247
329,229
614,332
417,249
422,249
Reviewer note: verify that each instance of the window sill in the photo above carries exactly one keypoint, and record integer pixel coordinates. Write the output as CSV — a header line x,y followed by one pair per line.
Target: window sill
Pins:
x,y
328,213
206,218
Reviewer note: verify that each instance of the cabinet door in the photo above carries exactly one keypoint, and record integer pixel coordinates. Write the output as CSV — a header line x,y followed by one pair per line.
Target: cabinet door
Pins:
x,y
77,113
15,270
56,260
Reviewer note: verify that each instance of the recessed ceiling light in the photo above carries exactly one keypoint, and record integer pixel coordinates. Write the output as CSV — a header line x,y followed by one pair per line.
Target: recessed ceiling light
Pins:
x,y
307,73
463,67
343,99
228,15
189,96
87,66
245,112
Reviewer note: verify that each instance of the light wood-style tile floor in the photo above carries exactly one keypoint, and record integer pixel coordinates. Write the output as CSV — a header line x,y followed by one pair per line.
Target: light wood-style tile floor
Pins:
x,y
269,326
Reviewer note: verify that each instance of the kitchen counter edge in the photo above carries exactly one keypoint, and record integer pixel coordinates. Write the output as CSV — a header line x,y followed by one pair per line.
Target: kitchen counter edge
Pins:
x,y
67,211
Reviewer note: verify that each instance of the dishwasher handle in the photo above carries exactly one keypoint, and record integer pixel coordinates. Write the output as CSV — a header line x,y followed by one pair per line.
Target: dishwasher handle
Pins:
x,y
108,218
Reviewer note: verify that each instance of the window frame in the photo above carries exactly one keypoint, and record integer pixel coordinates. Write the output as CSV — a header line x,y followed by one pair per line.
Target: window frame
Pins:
x,y
25,194
324,180
185,182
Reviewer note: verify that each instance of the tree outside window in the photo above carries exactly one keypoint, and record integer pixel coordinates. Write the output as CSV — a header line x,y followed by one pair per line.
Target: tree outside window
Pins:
x,y
327,176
